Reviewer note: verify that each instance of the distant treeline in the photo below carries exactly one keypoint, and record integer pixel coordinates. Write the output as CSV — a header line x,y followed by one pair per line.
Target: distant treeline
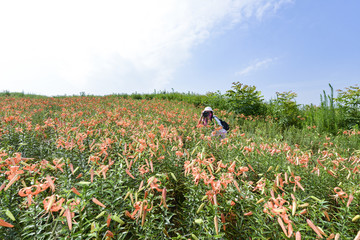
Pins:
x,y
335,113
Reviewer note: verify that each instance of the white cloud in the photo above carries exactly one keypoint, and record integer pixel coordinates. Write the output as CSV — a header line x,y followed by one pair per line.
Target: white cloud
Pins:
x,y
270,6
107,46
258,64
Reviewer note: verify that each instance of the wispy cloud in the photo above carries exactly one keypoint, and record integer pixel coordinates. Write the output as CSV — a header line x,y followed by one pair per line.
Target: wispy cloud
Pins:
x,y
271,6
101,46
258,64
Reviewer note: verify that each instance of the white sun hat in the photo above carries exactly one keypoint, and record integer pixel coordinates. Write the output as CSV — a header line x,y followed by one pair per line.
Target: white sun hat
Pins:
x,y
208,109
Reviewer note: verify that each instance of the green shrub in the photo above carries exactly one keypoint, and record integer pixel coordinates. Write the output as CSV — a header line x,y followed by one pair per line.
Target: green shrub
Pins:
x,y
216,100
245,99
349,105
285,109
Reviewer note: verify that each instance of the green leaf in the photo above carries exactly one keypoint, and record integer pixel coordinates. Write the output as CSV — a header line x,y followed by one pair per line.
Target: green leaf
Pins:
x,y
173,176
84,183
315,198
9,214
199,221
117,219
194,237
100,215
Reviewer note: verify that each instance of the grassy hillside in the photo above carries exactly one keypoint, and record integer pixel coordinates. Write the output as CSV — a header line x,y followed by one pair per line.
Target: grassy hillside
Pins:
x,y
87,167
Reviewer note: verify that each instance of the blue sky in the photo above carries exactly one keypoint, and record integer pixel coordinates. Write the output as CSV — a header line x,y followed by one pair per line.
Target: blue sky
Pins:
x,y
105,47
302,47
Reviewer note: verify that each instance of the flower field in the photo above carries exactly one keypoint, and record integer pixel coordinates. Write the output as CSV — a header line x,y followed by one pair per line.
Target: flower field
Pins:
x,y
118,168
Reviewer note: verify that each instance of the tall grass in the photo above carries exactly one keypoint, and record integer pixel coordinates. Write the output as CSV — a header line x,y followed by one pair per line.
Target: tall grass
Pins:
x,y
325,117
7,93
328,114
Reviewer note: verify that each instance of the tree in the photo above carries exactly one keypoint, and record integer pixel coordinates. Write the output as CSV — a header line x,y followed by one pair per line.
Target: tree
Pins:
x,y
285,109
349,105
245,99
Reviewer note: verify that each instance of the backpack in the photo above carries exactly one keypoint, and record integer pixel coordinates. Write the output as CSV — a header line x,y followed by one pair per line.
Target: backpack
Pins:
x,y
224,124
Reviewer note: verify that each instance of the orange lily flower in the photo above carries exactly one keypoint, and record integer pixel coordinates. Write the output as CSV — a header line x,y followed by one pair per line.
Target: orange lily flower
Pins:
x,y
296,182
351,197
143,169
2,186
357,237
109,234
340,194
108,220
12,181
98,202
91,175
129,173
312,225
50,204
179,153
281,223
75,191
58,165
231,169
27,192
5,224
67,214
163,198
153,184
248,213
50,182
71,168
14,172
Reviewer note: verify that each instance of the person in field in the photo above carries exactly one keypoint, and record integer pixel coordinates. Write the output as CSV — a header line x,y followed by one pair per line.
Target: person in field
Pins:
x,y
207,115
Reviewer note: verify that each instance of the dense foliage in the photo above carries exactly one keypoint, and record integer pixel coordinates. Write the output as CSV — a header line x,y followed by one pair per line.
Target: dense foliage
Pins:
x,y
140,168
349,102
245,99
332,116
